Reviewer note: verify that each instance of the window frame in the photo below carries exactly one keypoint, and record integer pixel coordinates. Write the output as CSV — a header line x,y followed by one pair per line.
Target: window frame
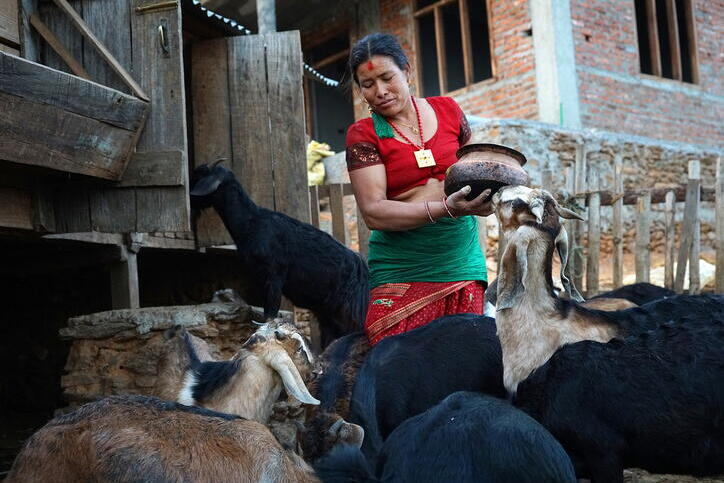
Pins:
x,y
465,37
653,41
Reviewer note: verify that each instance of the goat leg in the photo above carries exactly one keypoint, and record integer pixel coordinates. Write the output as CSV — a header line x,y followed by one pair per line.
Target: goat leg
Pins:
x,y
272,297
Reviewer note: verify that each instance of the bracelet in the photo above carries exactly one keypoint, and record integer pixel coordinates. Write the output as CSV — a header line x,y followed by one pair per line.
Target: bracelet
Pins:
x,y
429,215
447,208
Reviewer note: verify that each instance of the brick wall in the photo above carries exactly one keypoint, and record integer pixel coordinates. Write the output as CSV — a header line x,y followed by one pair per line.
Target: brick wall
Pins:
x,y
615,96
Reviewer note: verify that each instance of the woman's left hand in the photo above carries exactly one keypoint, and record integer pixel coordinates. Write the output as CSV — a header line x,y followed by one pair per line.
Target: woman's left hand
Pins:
x,y
481,205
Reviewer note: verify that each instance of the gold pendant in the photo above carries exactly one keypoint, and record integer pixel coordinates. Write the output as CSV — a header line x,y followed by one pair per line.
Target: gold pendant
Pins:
x,y
424,158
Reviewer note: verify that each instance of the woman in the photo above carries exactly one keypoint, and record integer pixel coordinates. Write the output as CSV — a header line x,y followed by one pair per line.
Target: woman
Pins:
x,y
424,256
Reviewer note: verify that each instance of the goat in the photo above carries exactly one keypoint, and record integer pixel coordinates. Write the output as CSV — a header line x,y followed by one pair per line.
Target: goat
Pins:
x,y
275,355
409,373
468,437
175,360
279,255
140,438
637,293
533,322
332,383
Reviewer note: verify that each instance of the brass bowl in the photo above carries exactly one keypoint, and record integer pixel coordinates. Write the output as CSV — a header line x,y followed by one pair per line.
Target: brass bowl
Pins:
x,y
483,166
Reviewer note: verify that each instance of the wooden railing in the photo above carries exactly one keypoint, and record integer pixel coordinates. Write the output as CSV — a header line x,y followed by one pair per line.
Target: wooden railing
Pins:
x,y
585,237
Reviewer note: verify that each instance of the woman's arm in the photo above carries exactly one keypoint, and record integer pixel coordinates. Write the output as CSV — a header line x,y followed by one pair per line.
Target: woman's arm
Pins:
x,y
370,190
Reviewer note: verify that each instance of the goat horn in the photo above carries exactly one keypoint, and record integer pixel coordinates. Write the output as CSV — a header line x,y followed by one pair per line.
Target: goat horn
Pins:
x,y
280,361
335,427
218,162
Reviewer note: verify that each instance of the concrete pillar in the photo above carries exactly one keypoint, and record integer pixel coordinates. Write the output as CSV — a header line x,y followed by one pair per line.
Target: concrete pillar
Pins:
x,y
266,16
555,62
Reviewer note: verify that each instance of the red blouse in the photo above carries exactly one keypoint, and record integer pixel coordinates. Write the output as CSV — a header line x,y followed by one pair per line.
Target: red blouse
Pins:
x,y
365,148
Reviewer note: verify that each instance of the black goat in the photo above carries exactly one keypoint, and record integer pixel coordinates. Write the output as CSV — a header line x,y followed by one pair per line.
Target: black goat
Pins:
x,y
283,256
654,401
468,437
638,293
409,373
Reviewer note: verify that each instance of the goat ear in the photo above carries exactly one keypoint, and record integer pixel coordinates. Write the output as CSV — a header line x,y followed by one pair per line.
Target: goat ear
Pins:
x,y
206,185
513,272
565,212
280,361
566,280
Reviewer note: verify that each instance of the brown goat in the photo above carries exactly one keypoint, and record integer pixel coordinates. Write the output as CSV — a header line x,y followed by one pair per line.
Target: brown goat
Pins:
x,y
175,361
139,438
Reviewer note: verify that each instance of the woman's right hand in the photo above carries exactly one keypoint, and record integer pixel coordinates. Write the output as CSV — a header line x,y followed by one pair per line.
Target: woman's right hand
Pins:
x,y
481,205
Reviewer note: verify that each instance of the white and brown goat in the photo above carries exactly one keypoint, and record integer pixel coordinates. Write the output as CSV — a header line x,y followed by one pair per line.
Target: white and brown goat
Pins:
x,y
276,356
532,321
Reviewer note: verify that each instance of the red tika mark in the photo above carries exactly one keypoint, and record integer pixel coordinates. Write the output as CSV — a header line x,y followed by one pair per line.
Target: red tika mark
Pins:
x,y
370,65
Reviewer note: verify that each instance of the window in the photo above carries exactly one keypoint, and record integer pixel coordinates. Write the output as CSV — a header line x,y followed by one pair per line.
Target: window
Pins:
x,y
445,29
666,39
329,110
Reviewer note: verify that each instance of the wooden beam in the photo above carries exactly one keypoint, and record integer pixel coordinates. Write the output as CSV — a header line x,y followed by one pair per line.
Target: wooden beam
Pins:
x,y
465,38
102,50
9,21
692,37
618,221
673,39
658,195
58,47
425,10
594,236
124,282
655,52
688,224
719,225
440,48
643,238
669,239
266,16
336,206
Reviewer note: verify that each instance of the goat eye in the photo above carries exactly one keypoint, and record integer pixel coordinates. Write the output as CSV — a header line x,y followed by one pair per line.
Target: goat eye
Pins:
x,y
280,335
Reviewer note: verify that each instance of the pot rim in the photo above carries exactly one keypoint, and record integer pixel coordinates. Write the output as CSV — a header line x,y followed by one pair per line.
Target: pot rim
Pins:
x,y
496,148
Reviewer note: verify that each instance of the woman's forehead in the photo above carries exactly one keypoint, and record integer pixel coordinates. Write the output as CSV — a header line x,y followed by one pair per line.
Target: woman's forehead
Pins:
x,y
376,66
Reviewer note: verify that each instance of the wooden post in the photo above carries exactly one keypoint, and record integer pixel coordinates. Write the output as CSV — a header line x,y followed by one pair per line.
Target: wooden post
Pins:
x,y
577,252
336,206
546,177
694,272
594,234
689,223
719,203
643,238
482,233
314,205
266,16
363,235
618,221
669,237
124,282
570,225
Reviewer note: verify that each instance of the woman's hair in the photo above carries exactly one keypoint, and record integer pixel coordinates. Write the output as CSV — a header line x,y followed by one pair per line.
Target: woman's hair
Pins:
x,y
375,44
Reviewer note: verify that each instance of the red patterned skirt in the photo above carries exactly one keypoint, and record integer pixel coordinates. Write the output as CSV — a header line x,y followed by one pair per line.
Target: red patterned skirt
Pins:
x,y
399,307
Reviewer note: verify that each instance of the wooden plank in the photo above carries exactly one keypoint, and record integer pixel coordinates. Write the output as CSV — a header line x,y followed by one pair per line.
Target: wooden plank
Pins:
x,y
29,47
673,39
55,44
314,205
429,8
694,272
643,239
617,222
45,85
658,195
41,135
546,178
72,209
83,28
60,25
162,168
465,38
655,52
110,21
594,236
440,47
669,239
43,208
9,28
287,124
249,109
211,125
576,250
688,225
482,234
16,208
160,74
363,235
571,225
336,206
112,210
719,225
9,50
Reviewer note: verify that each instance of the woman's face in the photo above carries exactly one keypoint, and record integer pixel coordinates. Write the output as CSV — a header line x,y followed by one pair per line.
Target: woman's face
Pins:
x,y
384,85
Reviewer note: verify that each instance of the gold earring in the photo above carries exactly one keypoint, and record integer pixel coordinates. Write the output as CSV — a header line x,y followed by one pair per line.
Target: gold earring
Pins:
x,y
369,107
